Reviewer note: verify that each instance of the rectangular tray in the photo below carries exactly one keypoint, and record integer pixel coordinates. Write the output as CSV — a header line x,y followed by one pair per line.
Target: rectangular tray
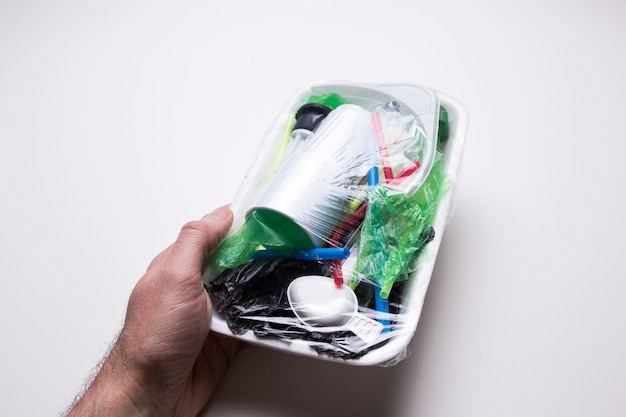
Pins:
x,y
425,102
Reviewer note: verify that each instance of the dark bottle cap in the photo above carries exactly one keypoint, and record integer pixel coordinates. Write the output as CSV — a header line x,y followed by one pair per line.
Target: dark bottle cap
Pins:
x,y
310,115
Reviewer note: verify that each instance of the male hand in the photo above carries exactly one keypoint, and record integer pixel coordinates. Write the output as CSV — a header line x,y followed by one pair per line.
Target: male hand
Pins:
x,y
165,361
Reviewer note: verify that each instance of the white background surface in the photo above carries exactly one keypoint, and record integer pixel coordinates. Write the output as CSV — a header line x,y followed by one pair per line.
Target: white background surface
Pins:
x,y
120,121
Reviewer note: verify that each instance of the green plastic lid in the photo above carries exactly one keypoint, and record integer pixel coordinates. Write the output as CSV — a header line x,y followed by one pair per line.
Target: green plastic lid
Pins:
x,y
276,231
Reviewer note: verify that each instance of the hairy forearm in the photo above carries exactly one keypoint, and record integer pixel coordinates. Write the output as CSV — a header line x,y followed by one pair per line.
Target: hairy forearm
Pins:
x,y
115,391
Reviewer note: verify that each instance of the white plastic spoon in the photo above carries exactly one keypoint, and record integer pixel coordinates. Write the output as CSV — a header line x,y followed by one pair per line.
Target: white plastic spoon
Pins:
x,y
326,308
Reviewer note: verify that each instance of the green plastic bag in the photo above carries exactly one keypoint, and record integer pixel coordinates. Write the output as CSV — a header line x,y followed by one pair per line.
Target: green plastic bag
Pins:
x,y
395,227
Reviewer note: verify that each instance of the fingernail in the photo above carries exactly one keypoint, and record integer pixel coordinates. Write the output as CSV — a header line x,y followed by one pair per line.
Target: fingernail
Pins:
x,y
221,213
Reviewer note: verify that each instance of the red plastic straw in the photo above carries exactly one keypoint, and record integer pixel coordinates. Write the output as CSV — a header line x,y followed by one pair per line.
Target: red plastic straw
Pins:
x,y
353,220
415,165
382,146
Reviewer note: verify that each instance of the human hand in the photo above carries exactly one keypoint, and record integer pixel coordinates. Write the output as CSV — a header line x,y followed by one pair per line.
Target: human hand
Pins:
x,y
165,361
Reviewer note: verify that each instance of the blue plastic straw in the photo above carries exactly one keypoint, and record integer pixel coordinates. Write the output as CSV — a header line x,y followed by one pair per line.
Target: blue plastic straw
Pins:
x,y
382,304
316,254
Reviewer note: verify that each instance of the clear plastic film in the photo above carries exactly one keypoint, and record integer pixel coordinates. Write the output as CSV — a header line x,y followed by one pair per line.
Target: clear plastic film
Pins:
x,y
330,254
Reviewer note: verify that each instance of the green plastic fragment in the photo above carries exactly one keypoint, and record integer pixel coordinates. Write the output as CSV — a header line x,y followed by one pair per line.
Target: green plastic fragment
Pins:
x,y
331,100
444,125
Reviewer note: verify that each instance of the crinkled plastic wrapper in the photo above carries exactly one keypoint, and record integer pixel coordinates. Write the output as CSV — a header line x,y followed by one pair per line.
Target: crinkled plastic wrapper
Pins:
x,y
338,223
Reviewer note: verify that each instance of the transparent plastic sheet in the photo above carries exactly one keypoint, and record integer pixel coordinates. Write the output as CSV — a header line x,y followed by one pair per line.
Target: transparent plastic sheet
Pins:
x,y
333,224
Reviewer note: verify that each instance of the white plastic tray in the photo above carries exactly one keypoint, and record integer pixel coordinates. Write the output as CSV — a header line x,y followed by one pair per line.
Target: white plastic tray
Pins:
x,y
427,108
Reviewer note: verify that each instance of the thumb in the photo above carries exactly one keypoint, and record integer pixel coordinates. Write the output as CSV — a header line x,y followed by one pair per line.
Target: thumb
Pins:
x,y
197,239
